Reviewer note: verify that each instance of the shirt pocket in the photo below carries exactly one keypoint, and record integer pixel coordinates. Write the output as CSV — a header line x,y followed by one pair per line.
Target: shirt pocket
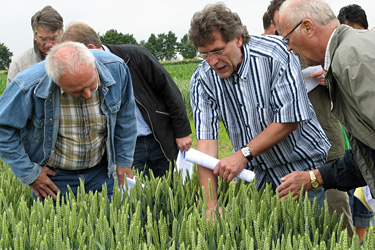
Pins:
x,y
37,128
265,116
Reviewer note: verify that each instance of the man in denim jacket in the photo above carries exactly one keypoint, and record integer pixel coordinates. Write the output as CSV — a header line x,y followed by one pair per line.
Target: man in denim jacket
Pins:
x,y
68,118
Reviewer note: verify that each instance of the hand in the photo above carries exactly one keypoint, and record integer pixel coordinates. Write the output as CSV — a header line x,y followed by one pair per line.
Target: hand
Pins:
x,y
319,75
293,183
123,172
230,166
43,186
184,143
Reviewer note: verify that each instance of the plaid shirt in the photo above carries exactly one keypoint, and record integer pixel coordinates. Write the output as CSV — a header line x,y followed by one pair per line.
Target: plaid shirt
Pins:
x,y
82,133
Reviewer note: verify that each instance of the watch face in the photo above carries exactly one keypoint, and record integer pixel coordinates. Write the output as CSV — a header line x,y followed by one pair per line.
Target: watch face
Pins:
x,y
245,152
315,184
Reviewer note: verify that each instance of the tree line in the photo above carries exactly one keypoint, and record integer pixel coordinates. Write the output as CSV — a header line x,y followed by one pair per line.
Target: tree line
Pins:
x,y
162,46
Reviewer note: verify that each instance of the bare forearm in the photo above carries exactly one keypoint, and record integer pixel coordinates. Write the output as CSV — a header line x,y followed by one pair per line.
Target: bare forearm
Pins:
x,y
271,136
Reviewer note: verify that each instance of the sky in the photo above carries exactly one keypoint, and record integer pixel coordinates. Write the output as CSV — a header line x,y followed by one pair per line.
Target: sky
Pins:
x,y
138,17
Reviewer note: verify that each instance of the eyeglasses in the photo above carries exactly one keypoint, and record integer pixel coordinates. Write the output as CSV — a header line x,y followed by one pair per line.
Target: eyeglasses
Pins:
x,y
287,40
45,39
214,54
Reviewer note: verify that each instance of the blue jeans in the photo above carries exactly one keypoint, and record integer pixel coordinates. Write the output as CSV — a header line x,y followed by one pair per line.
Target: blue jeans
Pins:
x,y
360,214
148,155
93,179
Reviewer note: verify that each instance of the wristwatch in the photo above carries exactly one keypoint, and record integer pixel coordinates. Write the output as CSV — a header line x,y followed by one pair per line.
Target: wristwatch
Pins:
x,y
314,181
245,150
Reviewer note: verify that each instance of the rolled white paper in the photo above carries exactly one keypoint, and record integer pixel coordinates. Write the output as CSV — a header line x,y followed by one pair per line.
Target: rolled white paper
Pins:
x,y
210,162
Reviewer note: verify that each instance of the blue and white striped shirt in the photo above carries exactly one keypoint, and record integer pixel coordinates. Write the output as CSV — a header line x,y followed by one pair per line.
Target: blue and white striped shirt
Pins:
x,y
268,87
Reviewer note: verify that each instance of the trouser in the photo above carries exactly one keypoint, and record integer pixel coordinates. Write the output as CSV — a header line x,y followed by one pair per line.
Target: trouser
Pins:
x,y
362,217
148,155
93,179
339,201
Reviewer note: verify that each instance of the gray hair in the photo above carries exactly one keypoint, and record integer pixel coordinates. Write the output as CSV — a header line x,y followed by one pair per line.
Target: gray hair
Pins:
x,y
65,58
318,11
216,17
49,19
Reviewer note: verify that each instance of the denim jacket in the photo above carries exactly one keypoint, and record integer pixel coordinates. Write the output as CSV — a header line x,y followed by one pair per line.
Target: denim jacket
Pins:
x,y
30,112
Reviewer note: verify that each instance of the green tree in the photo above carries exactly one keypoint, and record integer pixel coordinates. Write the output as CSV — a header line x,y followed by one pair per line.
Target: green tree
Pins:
x,y
163,46
112,36
170,46
186,48
154,46
5,55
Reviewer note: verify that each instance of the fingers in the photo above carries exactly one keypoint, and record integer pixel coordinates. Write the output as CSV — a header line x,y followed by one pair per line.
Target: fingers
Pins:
x,y
226,172
123,172
184,147
317,73
44,192
184,143
43,186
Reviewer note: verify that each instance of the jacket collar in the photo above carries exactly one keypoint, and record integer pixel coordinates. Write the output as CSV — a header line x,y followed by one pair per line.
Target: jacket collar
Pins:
x,y
335,39
37,51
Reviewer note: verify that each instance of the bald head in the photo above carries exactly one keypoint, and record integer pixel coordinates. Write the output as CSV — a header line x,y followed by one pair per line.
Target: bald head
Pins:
x,y
317,11
66,58
307,26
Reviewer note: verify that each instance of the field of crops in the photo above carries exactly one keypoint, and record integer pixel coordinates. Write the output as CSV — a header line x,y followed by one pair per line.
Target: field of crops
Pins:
x,y
168,213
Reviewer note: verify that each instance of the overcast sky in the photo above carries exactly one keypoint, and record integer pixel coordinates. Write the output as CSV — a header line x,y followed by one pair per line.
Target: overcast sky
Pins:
x,y
138,17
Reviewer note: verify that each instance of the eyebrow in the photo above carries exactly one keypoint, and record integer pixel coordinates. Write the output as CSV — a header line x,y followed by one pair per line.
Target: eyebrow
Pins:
x,y
215,49
80,91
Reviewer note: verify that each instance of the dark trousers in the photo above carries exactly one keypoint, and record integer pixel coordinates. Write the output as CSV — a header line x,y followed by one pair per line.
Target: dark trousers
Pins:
x,y
148,155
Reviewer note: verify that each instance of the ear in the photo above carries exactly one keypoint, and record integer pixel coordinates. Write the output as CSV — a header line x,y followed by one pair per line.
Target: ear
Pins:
x,y
35,38
308,27
239,41
91,46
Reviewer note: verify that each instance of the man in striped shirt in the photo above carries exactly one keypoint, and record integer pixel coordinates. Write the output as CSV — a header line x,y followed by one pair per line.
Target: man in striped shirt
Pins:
x,y
255,85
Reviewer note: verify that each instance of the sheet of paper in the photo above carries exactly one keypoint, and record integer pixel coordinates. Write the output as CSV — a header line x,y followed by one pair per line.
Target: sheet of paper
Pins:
x,y
199,158
364,195
311,83
131,184
185,166
369,199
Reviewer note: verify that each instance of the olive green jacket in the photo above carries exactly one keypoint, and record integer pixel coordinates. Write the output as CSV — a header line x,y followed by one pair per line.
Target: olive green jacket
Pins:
x,y
351,83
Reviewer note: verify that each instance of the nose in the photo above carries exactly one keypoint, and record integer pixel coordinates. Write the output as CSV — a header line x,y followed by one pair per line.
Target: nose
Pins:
x,y
49,43
87,93
212,60
289,48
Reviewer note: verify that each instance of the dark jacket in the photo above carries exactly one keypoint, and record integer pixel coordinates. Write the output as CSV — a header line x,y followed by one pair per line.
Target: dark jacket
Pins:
x,y
157,96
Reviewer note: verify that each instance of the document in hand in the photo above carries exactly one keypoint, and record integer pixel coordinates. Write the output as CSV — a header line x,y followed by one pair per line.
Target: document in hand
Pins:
x,y
311,83
196,157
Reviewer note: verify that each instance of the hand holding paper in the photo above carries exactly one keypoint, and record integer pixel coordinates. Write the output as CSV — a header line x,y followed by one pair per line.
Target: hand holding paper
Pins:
x,y
204,160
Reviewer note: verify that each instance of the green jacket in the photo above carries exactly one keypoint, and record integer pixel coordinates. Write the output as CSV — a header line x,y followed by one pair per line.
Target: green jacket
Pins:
x,y
351,83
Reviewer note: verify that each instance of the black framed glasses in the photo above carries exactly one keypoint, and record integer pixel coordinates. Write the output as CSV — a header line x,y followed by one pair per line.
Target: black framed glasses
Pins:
x,y
214,54
287,40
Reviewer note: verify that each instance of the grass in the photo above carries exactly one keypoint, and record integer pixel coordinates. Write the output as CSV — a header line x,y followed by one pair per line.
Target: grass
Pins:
x,y
181,74
3,80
